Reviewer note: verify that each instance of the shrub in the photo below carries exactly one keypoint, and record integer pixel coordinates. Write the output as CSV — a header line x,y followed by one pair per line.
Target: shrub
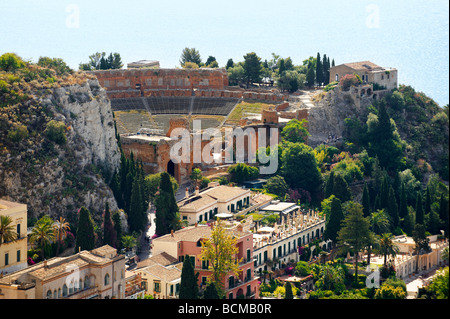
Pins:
x,y
55,132
18,134
10,62
349,80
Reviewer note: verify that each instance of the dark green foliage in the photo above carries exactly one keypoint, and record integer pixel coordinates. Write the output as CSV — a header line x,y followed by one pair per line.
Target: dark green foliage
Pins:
x,y
295,131
109,233
211,292
229,64
277,185
137,217
99,61
299,167
56,64
419,209
118,229
310,77
340,188
334,220
242,172
190,55
252,68
329,185
392,209
85,239
319,70
288,291
366,201
56,132
167,217
188,285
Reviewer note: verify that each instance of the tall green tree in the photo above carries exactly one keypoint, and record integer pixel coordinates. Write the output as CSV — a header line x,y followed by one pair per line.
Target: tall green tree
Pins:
x,y
190,55
422,243
288,291
379,222
109,233
211,291
252,68
319,70
388,247
340,188
7,229
85,239
310,77
167,217
366,201
299,167
220,250
393,208
355,232
334,220
188,284
43,233
403,209
295,131
329,185
419,209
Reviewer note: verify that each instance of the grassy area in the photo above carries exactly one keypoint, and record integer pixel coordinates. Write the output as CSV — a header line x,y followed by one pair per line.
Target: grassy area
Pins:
x,y
245,107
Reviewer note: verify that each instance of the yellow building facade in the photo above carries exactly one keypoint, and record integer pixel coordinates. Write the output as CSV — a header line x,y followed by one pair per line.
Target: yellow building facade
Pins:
x,y
13,254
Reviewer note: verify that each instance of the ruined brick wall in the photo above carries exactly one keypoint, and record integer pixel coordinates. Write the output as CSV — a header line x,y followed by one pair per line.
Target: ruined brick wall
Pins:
x,y
162,79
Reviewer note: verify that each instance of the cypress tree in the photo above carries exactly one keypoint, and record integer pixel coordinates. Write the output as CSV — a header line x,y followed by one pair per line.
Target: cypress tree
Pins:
x,y
341,189
334,220
377,203
85,233
403,211
166,207
443,213
118,229
310,77
366,201
136,212
329,185
384,193
288,291
109,233
419,209
393,208
427,208
188,285
319,70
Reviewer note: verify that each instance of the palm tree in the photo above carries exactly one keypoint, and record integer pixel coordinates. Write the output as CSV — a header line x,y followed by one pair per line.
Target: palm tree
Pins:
x,y
43,233
60,227
7,233
128,242
388,247
379,222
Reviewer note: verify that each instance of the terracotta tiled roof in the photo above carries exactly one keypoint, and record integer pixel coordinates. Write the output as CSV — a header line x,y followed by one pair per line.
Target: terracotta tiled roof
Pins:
x,y
197,202
164,273
162,258
225,193
363,65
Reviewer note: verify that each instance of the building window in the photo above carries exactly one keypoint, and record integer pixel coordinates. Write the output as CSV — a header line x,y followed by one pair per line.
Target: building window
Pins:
x,y
71,288
64,290
157,287
49,294
59,292
18,231
55,294
106,279
86,282
18,255
6,259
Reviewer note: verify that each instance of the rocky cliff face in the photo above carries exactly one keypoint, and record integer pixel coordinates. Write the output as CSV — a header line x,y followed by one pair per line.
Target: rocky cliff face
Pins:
x,y
328,114
58,179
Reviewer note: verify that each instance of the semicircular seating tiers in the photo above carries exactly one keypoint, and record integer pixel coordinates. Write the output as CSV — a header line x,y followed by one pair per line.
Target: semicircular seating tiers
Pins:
x,y
177,105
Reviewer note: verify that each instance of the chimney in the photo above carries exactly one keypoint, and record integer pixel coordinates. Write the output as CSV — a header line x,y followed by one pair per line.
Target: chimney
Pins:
x,y
45,264
187,193
171,232
196,224
196,190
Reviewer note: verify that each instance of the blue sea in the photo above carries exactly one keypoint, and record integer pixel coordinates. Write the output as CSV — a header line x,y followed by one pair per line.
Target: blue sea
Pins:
x,y
412,36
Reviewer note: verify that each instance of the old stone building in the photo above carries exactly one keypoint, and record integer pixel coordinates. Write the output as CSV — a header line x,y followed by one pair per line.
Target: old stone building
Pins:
x,y
369,73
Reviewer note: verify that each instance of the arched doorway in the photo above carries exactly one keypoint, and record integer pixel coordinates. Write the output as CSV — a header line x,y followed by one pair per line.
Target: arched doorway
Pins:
x,y
171,168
